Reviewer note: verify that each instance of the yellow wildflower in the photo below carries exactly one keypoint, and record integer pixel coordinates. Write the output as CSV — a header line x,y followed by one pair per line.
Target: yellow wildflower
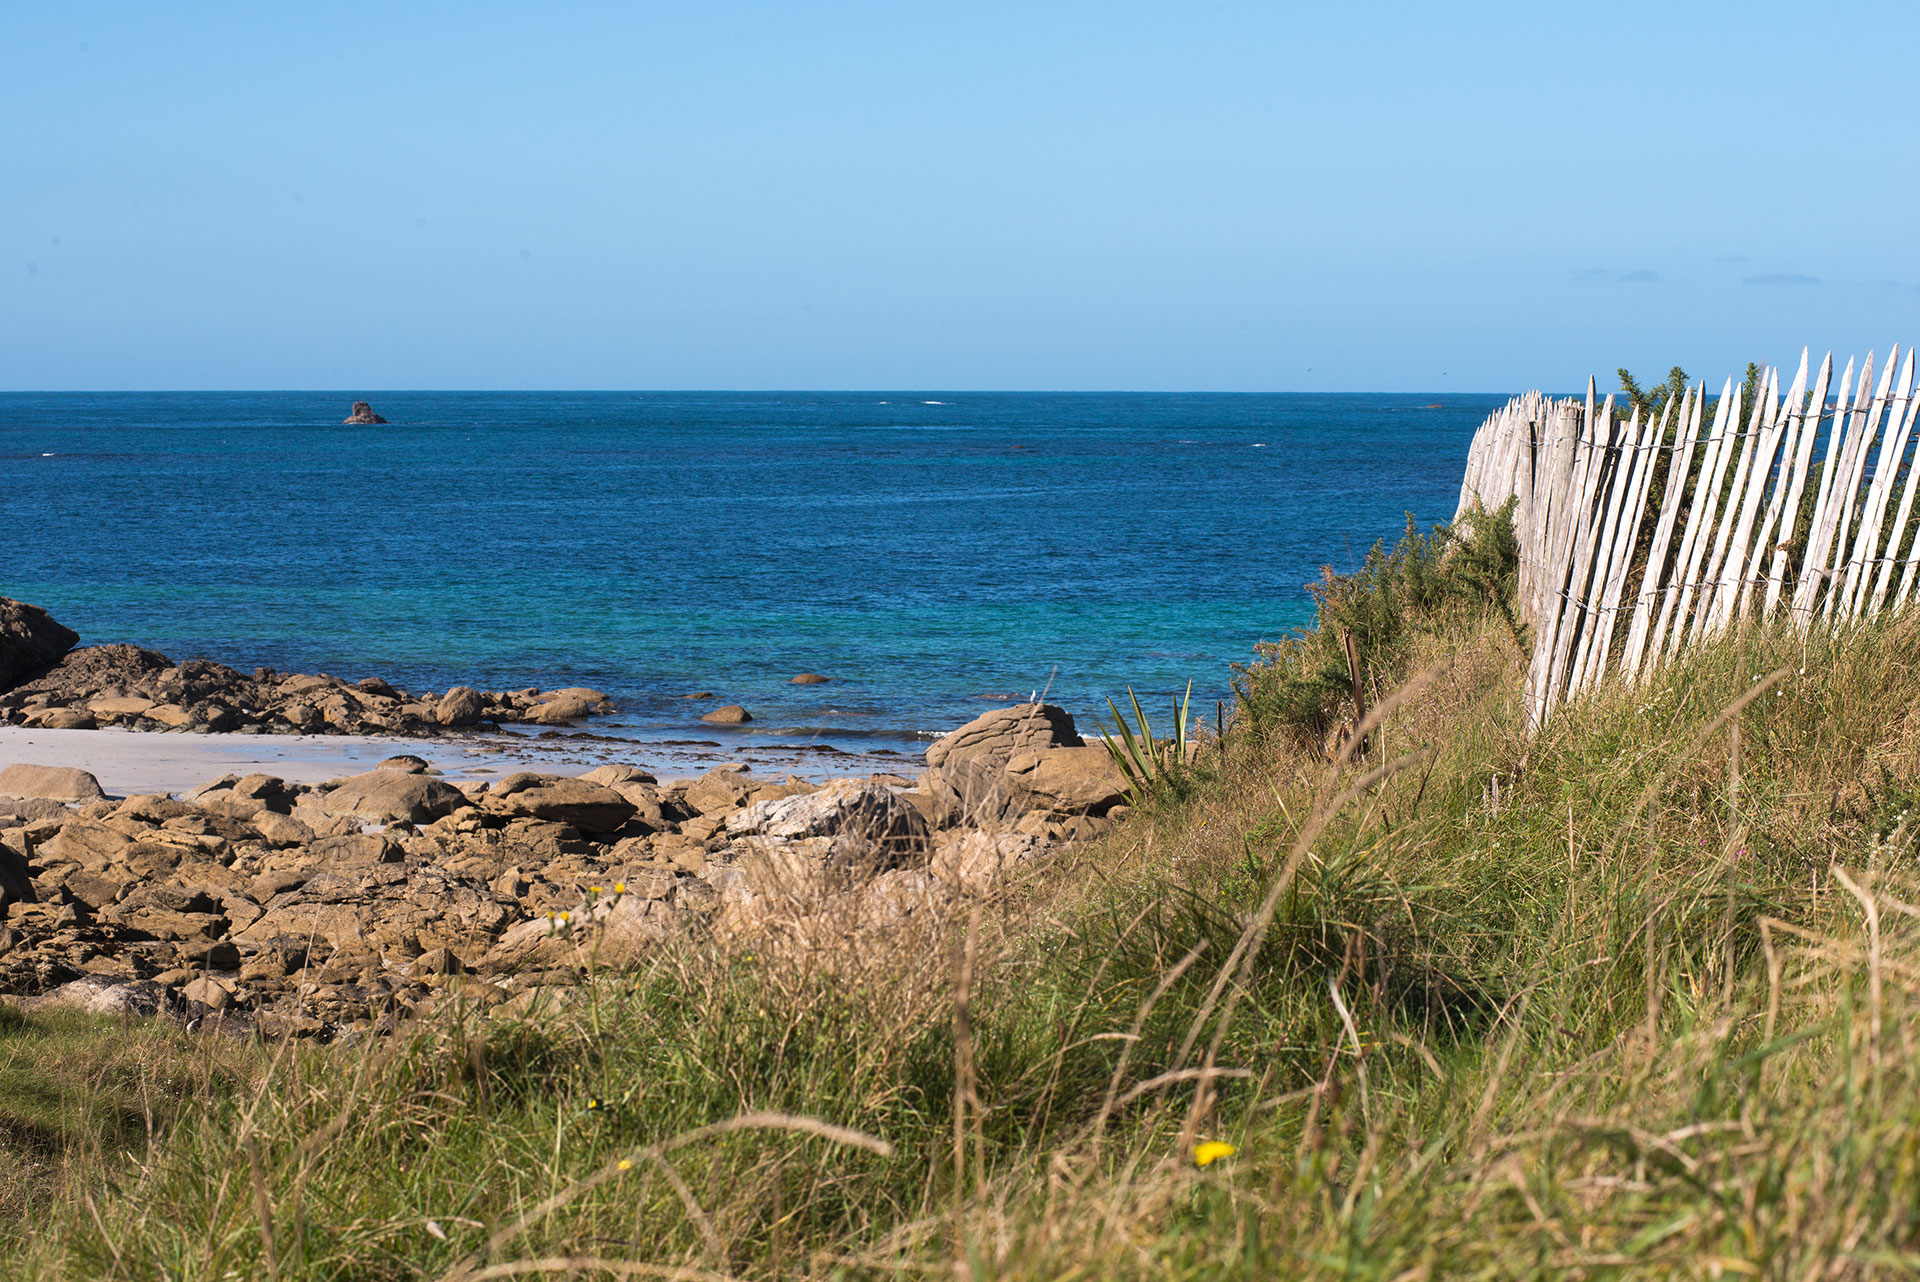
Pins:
x,y
593,890
1210,1152
619,887
625,1165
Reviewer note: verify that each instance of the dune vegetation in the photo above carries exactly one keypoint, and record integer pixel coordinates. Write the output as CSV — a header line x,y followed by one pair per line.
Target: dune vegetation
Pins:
x,y
1636,995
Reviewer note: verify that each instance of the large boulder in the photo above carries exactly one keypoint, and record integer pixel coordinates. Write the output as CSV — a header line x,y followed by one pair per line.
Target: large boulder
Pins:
x,y
53,783
998,735
721,789
1019,761
84,842
30,639
560,710
967,779
590,807
1067,781
850,809
387,796
460,706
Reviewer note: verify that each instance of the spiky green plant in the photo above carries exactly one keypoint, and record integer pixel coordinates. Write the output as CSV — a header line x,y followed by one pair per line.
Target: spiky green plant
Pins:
x,y
1149,765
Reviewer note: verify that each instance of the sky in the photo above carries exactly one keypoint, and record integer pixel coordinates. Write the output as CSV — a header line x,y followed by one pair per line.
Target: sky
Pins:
x,y
1191,196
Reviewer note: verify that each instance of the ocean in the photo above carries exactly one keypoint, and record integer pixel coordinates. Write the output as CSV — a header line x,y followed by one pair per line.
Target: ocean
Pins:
x,y
935,553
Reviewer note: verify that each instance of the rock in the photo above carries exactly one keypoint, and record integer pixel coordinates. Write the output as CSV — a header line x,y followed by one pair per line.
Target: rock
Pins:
x,y
356,850
96,670
810,679
102,995
730,715
17,811
388,796
272,793
460,706
406,762
62,719
79,841
590,807
376,687
30,640
609,775
438,961
209,992
124,706
282,831
973,861
720,789
597,701
167,911
336,925
847,808
560,710
54,783
362,415
998,735
632,926
1068,781
967,781
170,715
16,882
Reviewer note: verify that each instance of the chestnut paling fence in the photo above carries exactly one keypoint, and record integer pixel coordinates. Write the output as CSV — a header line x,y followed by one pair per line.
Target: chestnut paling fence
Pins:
x,y
1616,577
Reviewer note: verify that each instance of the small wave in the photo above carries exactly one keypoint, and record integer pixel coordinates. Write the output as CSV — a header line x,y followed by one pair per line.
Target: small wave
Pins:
x,y
1259,445
47,455
933,402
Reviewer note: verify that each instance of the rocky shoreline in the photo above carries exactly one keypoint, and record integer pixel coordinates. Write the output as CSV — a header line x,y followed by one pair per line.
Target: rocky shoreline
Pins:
x,y
257,904
58,687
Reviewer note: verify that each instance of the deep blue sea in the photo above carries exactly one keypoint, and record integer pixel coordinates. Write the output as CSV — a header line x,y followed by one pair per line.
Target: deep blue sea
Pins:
x,y
935,553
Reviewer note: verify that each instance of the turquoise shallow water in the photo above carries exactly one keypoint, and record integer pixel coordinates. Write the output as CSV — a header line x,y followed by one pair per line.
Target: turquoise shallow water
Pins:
x,y
935,553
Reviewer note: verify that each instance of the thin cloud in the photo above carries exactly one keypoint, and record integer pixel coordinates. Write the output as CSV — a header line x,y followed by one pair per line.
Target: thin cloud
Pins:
x,y
1641,277
1780,278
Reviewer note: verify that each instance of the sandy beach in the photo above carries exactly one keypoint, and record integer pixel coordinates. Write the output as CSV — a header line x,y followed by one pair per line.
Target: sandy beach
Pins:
x,y
131,762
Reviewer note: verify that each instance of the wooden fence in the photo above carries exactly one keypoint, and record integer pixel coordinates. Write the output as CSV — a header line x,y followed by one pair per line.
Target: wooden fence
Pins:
x,y
1639,537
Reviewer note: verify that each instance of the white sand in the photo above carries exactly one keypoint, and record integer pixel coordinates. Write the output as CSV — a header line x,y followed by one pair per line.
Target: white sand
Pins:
x,y
128,762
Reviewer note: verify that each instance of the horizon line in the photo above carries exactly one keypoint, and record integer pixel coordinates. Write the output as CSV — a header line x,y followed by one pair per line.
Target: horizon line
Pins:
x,y
736,391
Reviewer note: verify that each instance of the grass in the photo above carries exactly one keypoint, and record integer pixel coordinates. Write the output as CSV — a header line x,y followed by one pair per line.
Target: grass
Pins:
x,y
1635,997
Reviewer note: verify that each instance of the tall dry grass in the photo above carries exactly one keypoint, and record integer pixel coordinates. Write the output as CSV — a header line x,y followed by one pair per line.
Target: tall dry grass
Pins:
x,y
1635,996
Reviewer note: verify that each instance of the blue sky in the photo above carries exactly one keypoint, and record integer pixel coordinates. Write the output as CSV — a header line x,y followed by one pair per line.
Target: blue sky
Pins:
x,y
1261,197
